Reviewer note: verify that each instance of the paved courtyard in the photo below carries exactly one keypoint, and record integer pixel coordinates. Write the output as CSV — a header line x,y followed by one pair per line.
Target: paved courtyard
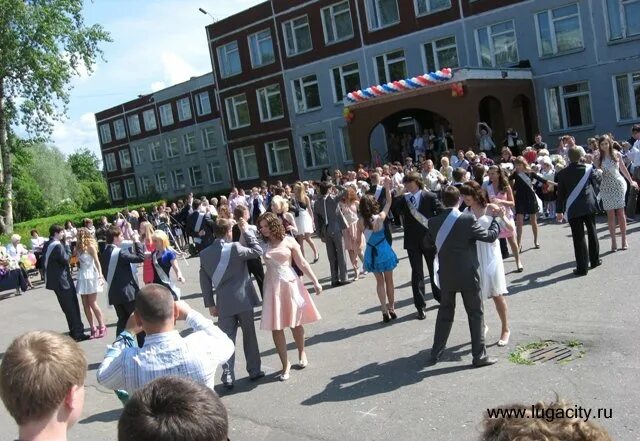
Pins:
x,y
368,381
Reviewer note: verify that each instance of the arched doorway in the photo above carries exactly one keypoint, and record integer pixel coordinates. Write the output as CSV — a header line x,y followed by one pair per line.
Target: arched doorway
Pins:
x,y
490,112
392,138
521,118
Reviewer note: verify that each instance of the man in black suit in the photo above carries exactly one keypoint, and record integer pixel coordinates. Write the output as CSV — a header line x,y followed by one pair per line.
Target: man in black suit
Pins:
x,y
58,279
122,283
455,235
416,206
577,189
200,226
377,190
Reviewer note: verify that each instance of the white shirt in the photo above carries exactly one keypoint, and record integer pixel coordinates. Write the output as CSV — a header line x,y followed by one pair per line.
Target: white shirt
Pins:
x,y
397,179
416,197
16,251
418,144
37,242
196,356
432,179
634,155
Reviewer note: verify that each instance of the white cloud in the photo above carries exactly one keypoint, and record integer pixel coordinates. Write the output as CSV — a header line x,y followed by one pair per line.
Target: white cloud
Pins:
x,y
158,85
73,134
176,69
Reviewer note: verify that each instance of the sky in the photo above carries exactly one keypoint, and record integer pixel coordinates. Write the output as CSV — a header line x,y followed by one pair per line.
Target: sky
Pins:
x,y
156,43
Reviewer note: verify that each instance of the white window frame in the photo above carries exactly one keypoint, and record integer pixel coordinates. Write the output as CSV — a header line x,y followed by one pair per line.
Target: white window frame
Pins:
x,y
343,73
115,188
119,129
302,84
224,52
332,23
263,93
105,133
201,110
184,109
370,24
257,59
134,124
174,179
192,176
137,154
306,139
635,113
143,181
125,159
623,20
231,104
150,122
129,185
344,135
386,65
166,115
491,47
207,145
211,166
237,159
563,111
159,184
552,28
152,151
188,147
110,162
274,168
293,51
171,148
429,9
435,50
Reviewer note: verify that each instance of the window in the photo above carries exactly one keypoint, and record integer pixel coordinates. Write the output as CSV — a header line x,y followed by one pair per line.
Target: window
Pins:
x,y
270,103
229,60
116,191
171,147
138,155
246,163
382,13
134,124
184,109
130,188
189,143
209,138
144,184
261,48
279,157
154,151
166,115
497,45
237,111
628,96
345,79
346,145
391,67
105,133
149,117
307,94
203,104
195,176
624,18
559,30
161,181
110,162
178,179
125,159
429,6
214,170
569,106
297,36
441,53
314,150
118,127
336,21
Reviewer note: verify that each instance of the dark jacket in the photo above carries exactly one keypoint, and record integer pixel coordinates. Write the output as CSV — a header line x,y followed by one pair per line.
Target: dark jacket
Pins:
x,y
567,180
415,235
58,275
124,286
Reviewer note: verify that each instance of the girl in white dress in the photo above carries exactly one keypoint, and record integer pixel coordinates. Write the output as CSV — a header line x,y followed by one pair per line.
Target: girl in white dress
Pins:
x,y
90,281
493,283
304,219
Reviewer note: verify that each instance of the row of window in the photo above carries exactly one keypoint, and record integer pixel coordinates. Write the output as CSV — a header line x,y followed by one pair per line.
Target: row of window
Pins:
x,y
161,184
203,107
558,30
171,149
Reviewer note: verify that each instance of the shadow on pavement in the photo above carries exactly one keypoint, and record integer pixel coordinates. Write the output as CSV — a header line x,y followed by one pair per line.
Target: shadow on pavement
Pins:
x,y
109,416
530,281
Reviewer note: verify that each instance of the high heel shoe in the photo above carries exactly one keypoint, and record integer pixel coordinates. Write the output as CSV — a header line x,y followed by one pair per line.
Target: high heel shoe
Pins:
x,y
102,331
392,314
303,363
504,342
284,376
94,333
520,269
315,259
614,248
625,247
385,317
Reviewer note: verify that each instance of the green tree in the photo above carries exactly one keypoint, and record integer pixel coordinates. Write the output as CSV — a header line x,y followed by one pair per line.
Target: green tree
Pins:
x,y
43,45
85,165
51,171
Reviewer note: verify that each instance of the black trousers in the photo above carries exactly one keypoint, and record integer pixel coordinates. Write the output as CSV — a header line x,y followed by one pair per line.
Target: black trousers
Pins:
x,y
124,311
68,300
256,270
417,275
585,255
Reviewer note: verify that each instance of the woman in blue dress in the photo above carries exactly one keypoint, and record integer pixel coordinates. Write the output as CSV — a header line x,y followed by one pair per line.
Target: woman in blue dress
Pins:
x,y
379,257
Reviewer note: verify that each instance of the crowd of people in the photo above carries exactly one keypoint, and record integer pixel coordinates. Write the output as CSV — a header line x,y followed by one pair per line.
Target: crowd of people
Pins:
x,y
460,219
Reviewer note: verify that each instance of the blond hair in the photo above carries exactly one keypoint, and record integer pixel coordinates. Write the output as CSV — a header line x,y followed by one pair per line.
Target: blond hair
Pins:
x,y
279,202
86,240
37,371
162,237
146,231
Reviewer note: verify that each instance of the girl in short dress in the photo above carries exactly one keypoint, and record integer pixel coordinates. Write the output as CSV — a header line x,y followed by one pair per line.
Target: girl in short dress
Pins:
x,y
90,281
163,259
353,238
304,219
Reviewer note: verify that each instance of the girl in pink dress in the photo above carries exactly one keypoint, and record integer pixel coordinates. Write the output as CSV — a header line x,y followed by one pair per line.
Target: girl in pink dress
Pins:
x,y
286,302
146,231
353,238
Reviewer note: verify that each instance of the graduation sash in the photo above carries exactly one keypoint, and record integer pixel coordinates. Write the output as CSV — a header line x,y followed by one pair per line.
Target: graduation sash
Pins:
x,y
441,237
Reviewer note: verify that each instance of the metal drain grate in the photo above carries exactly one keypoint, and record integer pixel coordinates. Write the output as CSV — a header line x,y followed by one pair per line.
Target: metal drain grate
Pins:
x,y
555,353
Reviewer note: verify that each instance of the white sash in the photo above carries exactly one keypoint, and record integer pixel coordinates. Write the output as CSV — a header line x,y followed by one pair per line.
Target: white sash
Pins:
x,y
225,254
422,220
577,190
442,235
198,226
113,262
379,189
164,277
52,245
526,179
